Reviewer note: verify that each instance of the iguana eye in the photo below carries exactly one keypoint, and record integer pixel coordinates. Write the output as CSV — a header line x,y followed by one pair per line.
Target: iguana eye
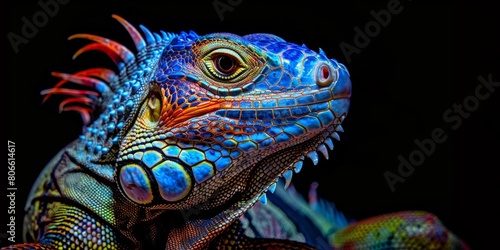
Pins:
x,y
225,64
154,102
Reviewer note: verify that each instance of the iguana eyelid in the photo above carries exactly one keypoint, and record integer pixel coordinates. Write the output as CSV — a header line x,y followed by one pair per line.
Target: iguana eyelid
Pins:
x,y
208,61
208,50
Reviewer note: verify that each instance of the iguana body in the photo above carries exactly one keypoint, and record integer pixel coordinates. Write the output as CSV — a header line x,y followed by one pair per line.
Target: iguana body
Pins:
x,y
187,136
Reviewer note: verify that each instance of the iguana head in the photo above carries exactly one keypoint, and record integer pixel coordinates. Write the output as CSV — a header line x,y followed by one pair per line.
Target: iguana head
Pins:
x,y
209,121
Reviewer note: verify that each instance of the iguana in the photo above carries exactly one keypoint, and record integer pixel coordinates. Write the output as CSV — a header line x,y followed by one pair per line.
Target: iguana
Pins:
x,y
184,139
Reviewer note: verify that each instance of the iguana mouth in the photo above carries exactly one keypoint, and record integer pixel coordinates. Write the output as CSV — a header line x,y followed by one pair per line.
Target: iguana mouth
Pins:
x,y
257,182
296,154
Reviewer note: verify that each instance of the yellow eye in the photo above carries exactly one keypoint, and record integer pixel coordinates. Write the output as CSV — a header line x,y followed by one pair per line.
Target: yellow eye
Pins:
x,y
225,64
152,113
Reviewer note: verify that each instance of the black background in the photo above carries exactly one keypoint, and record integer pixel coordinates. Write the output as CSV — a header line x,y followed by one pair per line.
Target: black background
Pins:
x,y
424,61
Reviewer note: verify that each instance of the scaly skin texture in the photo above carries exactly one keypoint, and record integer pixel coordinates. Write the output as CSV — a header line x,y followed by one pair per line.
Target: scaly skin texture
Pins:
x,y
185,138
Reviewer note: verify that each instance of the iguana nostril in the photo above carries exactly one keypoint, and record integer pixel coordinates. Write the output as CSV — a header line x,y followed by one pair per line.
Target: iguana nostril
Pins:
x,y
324,75
325,71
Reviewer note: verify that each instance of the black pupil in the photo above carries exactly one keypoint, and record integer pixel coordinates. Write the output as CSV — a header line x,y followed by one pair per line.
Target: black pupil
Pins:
x,y
225,64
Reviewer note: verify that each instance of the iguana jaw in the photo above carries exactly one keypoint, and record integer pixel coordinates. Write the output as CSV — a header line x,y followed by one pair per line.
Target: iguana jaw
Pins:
x,y
263,176
255,181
